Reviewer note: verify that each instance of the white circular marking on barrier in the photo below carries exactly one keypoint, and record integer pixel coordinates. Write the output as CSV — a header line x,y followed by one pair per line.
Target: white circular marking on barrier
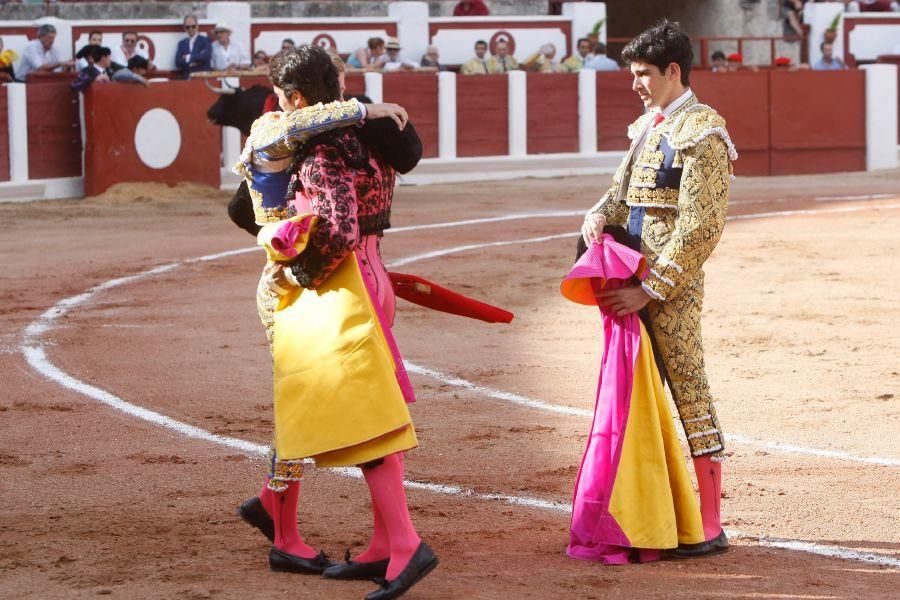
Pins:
x,y
157,138
33,350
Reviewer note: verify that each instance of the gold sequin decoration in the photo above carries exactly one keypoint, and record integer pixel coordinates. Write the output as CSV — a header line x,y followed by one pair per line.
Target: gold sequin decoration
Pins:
x,y
645,178
661,197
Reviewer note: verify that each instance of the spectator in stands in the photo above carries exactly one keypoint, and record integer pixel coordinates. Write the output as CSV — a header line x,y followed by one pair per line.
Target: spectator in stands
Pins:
x,y
575,63
128,49
260,61
501,61
370,57
287,44
227,53
41,56
872,6
8,58
793,11
600,61
431,59
735,61
138,65
471,8
542,61
99,69
477,65
782,63
95,38
828,62
194,52
395,62
718,62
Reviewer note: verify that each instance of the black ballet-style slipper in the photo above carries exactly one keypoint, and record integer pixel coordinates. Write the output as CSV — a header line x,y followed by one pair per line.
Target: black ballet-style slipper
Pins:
x,y
717,545
253,512
288,563
357,570
423,561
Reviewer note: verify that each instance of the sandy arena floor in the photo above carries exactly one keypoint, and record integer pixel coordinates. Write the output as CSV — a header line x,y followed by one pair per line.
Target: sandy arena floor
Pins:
x,y
801,324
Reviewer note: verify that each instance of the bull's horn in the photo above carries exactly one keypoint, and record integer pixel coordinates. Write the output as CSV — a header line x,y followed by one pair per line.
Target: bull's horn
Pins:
x,y
220,90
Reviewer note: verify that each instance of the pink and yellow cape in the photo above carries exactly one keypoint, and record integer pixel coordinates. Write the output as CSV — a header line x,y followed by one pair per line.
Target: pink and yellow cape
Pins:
x,y
633,495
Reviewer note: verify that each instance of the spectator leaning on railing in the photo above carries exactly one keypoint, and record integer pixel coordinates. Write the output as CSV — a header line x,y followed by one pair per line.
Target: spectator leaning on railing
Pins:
x,y
431,58
194,52
41,56
477,65
371,56
542,61
98,70
394,61
227,53
718,62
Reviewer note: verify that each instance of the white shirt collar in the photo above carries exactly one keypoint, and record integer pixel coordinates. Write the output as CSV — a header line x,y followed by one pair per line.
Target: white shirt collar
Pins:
x,y
676,103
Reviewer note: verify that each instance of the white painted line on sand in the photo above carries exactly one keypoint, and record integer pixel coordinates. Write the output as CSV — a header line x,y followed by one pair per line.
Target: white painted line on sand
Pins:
x,y
436,253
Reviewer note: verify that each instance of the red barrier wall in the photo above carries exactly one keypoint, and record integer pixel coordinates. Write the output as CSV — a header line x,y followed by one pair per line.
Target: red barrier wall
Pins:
x,y
356,84
112,113
552,113
617,107
818,121
54,130
742,98
418,94
4,137
482,115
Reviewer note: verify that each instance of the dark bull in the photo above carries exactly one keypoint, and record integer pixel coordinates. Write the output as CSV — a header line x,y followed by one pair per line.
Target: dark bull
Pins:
x,y
237,107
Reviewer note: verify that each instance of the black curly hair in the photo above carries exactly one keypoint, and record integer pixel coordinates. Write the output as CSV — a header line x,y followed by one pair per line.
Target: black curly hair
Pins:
x,y
307,70
662,45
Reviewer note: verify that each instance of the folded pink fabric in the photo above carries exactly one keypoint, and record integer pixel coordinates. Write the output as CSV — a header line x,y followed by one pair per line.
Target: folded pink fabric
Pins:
x,y
288,233
605,259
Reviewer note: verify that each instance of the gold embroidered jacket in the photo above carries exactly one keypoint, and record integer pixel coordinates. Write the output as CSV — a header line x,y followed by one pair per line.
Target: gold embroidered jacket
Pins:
x,y
680,177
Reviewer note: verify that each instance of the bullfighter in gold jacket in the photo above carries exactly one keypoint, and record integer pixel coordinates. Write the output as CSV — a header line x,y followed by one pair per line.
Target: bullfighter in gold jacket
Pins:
x,y
671,193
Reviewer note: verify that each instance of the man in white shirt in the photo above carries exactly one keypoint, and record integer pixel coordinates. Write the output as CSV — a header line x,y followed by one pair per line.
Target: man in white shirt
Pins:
x,y
128,50
600,61
226,53
40,56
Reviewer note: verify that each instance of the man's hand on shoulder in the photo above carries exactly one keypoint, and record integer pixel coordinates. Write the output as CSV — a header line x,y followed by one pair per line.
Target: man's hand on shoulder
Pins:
x,y
387,109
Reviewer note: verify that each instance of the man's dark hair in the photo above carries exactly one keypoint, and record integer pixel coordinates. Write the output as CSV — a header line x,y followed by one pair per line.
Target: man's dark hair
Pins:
x,y
91,34
578,43
718,55
662,45
138,62
307,70
600,48
98,52
482,43
124,33
375,42
823,44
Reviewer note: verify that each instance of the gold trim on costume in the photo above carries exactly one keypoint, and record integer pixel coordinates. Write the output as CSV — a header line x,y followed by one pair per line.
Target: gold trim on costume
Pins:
x,y
652,197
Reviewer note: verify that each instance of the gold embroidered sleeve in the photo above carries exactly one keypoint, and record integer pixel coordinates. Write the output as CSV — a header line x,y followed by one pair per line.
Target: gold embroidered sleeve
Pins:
x,y
275,139
702,207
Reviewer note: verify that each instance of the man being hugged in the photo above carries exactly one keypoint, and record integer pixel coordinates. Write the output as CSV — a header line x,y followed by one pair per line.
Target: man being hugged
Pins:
x,y
671,193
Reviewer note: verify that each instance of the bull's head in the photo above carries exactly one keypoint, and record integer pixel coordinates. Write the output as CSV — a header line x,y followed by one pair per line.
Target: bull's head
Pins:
x,y
237,107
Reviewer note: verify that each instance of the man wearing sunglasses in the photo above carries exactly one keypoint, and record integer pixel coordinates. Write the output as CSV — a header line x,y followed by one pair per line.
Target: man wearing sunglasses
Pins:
x,y
128,50
195,51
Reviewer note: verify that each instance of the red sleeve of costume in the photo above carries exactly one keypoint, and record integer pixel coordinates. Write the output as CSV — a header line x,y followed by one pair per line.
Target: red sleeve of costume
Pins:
x,y
328,182
271,103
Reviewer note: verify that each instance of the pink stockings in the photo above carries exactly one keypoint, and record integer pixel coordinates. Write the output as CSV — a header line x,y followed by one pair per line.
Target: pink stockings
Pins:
x,y
282,506
395,532
709,482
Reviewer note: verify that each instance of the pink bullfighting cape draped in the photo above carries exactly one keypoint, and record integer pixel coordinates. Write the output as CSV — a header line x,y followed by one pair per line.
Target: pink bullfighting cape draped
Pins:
x,y
633,495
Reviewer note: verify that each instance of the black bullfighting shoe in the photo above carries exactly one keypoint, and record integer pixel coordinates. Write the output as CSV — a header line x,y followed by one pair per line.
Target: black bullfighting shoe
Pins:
x,y
423,561
717,545
288,563
253,513
357,570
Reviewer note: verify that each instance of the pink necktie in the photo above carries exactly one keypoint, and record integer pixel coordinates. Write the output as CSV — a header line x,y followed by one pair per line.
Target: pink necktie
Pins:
x,y
659,118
